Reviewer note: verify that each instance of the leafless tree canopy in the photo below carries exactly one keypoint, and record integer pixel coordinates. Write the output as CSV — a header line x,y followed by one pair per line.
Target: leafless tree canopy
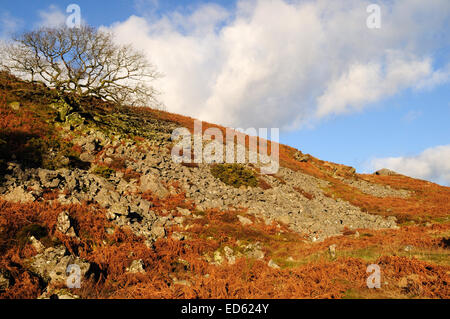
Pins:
x,y
85,61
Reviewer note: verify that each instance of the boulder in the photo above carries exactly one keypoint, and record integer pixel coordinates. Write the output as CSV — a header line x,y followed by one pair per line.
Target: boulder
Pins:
x,y
273,265
63,224
14,105
4,279
158,231
87,157
18,195
49,179
385,172
119,209
136,266
244,220
52,264
332,249
37,245
253,251
229,254
150,182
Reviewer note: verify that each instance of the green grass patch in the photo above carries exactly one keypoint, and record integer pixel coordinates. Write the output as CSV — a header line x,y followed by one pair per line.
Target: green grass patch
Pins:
x,y
103,171
235,175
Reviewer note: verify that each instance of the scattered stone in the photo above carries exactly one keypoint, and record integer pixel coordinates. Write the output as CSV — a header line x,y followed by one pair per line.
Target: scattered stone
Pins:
x,y
150,182
177,236
14,105
37,245
119,209
254,251
184,211
332,250
218,259
179,220
18,195
229,255
87,157
408,248
285,219
4,280
63,224
299,156
158,231
49,179
137,266
244,220
55,293
51,265
273,265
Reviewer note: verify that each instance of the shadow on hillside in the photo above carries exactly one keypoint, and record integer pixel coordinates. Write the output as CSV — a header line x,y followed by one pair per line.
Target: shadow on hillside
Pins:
x,y
21,148
31,151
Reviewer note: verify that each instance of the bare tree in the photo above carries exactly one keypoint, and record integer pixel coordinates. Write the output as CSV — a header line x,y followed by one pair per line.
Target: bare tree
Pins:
x,y
84,61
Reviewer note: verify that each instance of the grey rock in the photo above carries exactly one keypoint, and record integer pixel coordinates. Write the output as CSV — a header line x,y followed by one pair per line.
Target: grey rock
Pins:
x,y
63,224
244,220
49,179
158,231
14,105
150,182
87,157
37,245
4,279
332,250
51,265
18,195
229,255
119,209
253,251
184,211
273,265
137,266
385,172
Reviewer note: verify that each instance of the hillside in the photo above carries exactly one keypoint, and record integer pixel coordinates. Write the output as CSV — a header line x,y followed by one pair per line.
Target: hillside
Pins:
x,y
98,188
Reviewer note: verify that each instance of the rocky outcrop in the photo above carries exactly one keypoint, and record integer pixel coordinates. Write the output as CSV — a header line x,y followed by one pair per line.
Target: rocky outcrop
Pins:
x,y
316,215
385,172
53,263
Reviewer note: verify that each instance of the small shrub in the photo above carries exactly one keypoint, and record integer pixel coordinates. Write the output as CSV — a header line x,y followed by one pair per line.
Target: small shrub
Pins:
x,y
234,175
103,171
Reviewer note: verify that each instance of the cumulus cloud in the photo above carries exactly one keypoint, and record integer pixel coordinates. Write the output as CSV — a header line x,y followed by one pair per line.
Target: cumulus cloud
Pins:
x,y
288,63
432,164
53,16
8,25
365,83
434,79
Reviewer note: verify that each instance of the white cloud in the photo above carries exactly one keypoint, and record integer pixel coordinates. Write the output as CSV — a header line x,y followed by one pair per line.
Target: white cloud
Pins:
x,y
436,78
283,64
365,83
411,116
53,16
432,164
8,25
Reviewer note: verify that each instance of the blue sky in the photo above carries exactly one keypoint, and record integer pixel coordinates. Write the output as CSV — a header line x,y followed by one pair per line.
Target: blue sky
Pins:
x,y
235,64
